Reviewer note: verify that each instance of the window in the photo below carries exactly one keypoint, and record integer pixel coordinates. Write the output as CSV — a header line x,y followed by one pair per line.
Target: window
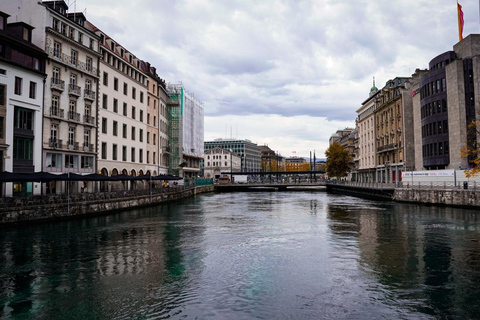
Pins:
x,y
148,101
104,150
72,111
53,132
71,136
125,89
140,133
124,133
104,101
114,152
57,49
87,162
154,158
88,85
115,105
64,29
18,85
105,79
134,93
56,25
22,148
133,112
141,97
89,64
148,118
154,121
148,137
124,109
86,138
71,32
2,127
115,128
140,155
73,58
141,115
33,90
133,133
53,160
115,84
73,79
104,125
154,139
148,156
80,38
124,153
133,155
56,75
88,110
23,119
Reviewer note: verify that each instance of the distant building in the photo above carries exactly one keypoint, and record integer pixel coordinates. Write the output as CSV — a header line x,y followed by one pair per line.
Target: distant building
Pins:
x,y
271,160
296,164
218,161
22,72
249,152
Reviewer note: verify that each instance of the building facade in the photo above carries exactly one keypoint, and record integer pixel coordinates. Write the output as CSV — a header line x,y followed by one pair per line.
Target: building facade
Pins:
x,y
185,132
22,75
218,161
249,152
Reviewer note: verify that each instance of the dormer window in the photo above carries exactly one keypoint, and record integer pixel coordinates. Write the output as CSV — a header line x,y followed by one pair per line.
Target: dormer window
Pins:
x,y
26,34
56,24
130,58
113,46
122,52
71,33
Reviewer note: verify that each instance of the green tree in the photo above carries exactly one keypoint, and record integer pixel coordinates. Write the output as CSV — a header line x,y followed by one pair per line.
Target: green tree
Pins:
x,y
338,160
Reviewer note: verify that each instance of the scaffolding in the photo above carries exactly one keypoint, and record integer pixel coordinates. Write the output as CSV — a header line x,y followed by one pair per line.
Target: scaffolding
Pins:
x,y
175,107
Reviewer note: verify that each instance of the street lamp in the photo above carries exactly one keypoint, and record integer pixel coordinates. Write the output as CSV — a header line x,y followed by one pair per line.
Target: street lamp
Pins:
x,y
231,176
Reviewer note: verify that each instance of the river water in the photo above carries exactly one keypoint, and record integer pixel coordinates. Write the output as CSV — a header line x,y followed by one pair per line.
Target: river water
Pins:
x,y
266,255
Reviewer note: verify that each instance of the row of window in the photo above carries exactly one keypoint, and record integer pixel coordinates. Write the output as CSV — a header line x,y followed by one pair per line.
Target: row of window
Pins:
x,y
435,149
216,157
73,58
434,107
122,66
434,128
217,164
133,154
125,131
125,87
56,160
436,86
32,89
69,31
72,133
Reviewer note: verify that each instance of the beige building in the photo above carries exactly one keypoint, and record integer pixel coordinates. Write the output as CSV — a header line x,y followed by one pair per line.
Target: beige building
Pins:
x,y
219,160
365,151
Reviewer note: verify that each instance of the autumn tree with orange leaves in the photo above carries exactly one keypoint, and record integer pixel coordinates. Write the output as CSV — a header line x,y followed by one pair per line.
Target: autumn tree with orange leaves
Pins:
x,y
471,150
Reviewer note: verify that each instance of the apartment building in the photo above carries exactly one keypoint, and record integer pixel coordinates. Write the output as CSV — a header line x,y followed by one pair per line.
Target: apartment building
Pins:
x,y
365,150
123,110
249,152
70,101
219,160
22,72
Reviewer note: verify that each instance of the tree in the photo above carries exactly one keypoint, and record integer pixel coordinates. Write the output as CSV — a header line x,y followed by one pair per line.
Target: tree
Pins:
x,y
338,159
471,150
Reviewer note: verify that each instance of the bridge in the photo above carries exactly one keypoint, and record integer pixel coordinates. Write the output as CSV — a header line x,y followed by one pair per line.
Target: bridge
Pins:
x,y
271,186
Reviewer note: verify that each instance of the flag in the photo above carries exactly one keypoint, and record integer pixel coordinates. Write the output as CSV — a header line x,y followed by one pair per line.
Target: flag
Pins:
x,y
460,22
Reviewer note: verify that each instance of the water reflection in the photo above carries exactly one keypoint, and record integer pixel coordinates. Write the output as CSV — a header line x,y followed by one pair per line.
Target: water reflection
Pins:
x,y
418,254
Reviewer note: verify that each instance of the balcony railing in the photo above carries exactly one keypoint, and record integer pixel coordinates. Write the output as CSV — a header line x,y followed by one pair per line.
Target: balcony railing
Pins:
x,y
55,143
66,59
387,147
72,145
89,94
89,120
75,90
58,84
73,116
56,112
88,147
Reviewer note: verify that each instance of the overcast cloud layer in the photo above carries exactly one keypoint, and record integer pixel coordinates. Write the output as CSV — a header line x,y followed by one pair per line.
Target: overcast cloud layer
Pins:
x,y
282,72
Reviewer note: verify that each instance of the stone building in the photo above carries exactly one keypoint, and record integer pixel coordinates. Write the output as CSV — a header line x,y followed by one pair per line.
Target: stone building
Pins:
x,y
447,101
219,160
388,131
249,152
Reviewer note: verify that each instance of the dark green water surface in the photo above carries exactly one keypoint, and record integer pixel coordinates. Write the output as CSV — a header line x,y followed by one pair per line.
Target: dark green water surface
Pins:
x,y
290,255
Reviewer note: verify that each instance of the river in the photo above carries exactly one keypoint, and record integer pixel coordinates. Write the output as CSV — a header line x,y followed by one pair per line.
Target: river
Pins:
x,y
265,255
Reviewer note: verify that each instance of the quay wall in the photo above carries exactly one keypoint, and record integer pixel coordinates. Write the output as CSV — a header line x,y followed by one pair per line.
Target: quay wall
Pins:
x,y
64,210
448,197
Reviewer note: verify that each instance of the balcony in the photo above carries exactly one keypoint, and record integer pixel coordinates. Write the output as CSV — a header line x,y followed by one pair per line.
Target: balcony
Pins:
x,y
58,84
88,147
72,145
73,116
388,147
74,90
89,94
89,120
57,113
55,143
67,60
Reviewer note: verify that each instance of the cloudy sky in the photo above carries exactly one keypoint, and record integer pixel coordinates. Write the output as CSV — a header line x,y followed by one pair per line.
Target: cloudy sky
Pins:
x,y
285,73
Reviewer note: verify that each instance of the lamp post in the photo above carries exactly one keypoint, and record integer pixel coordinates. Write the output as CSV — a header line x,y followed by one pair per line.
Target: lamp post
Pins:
x,y
231,176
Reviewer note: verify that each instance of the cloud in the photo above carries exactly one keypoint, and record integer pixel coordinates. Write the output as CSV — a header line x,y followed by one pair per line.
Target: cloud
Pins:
x,y
291,59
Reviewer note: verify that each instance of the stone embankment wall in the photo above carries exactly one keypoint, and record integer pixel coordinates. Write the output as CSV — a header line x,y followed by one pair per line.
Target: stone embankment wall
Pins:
x,y
86,208
448,197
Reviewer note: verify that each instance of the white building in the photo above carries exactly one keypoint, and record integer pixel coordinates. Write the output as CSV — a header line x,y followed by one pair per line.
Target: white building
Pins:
x,y
70,101
219,160
123,111
22,72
